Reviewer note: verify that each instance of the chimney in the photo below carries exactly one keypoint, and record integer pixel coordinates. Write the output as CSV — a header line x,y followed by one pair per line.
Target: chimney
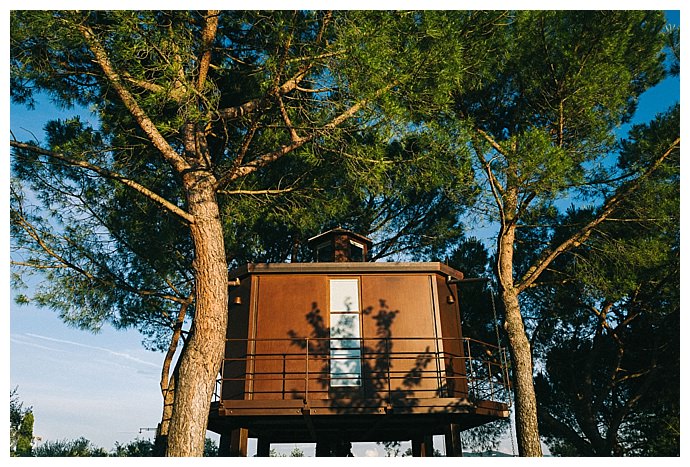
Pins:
x,y
339,245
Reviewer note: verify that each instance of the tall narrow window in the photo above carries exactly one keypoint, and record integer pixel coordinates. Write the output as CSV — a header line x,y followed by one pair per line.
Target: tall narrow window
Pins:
x,y
345,348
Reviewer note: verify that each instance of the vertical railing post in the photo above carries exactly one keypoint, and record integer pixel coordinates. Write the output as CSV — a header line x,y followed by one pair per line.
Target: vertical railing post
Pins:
x,y
222,367
250,368
437,358
388,367
284,374
491,380
362,381
506,377
469,360
306,373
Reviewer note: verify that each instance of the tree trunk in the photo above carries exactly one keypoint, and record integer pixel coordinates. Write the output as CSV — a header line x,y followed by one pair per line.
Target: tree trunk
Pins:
x,y
527,428
169,381
203,353
161,444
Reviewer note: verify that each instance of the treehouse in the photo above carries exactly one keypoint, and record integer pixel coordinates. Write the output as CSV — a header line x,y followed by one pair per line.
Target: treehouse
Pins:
x,y
343,350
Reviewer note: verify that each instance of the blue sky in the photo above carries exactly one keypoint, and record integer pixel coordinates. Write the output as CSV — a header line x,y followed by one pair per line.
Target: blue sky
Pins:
x,y
105,386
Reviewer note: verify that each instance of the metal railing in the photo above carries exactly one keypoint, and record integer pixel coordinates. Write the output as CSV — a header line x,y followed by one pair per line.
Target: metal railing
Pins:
x,y
385,368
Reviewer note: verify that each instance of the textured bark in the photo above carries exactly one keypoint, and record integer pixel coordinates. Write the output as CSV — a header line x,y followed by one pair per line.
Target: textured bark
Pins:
x,y
507,200
202,355
526,424
527,427
168,383
161,443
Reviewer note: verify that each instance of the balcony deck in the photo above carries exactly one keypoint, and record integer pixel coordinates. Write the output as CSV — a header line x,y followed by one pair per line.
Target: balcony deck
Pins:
x,y
395,405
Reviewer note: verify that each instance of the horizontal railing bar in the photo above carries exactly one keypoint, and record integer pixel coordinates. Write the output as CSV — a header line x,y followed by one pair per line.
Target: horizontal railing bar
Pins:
x,y
481,369
300,340
405,354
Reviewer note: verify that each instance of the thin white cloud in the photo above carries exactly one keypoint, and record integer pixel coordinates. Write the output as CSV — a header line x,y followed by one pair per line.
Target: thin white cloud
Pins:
x,y
93,347
22,341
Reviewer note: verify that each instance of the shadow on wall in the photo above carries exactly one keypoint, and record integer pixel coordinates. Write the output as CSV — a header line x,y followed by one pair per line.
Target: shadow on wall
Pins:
x,y
361,373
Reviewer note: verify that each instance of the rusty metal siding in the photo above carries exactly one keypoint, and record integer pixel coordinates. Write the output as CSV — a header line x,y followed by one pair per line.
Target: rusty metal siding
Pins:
x,y
451,332
410,337
397,308
290,308
234,370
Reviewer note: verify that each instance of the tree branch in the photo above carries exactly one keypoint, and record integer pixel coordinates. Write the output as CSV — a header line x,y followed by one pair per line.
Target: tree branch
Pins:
x,y
208,36
256,192
583,234
294,137
172,348
232,113
145,123
496,189
266,159
491,141
110,175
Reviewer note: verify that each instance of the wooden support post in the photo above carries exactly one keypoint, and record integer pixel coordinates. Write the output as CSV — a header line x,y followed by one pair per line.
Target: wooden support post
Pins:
x,y
453,441
428,446
263,447
323,448
224,448
423,446
234,443
416,447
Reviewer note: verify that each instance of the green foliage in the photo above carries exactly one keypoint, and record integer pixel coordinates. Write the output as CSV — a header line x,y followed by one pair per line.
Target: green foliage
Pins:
x,y
436,453
108,255
392,448
137,448
25,435
673,43
80,447
21,427
296,452
210,448
485,438
609,333
563,82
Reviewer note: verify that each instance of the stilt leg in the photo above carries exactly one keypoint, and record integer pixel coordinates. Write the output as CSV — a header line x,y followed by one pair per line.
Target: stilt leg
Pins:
x,y
263,447
234,444
428,446
423,446
453,441
239,442
323,448
224,448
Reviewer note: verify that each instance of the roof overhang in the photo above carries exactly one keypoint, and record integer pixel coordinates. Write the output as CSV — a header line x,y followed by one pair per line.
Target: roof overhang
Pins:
x,y
345,268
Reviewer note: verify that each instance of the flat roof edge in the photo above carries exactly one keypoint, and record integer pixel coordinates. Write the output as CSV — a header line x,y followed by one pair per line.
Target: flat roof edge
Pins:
x,y
343,268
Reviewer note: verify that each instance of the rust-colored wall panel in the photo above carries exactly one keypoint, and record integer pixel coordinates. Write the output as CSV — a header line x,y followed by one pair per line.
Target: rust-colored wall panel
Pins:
x,y
290,309
293,307
454,360
234,371
399,306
